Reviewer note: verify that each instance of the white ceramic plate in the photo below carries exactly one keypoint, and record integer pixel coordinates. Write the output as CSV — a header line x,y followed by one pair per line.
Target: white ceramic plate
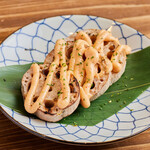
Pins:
x,y
41,36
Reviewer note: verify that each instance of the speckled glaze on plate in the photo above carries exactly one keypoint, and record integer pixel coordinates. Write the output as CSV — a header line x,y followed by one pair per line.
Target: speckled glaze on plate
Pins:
x,y
41,36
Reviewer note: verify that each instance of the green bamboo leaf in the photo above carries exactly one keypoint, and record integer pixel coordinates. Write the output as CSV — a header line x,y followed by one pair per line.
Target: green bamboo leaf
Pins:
x,y
134,81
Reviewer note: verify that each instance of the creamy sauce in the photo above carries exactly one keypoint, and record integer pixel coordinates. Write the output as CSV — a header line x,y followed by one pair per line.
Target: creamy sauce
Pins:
x,y
118,56
83,36
84,69
29,98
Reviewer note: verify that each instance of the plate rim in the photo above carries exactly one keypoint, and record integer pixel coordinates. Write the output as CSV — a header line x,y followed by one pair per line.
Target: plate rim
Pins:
x,y
65,141
60,140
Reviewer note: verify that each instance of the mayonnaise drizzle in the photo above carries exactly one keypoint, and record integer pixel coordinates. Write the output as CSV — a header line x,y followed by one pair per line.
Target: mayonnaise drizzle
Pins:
x,y
83,70
92,58
81,47
116,59
83,36
31,108
65,99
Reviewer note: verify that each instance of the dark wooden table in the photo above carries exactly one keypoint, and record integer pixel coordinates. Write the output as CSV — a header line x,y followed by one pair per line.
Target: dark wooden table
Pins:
x,y
17,13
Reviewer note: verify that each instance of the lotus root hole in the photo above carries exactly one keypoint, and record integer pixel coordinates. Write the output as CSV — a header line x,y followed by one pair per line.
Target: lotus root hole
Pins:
x,y
45,72
74,96
58,75
93,38
84,57
49,104
109,54
105,43
112,47
50,89
98,69
72,89
34,99
57,109
101,80
93,85
29,86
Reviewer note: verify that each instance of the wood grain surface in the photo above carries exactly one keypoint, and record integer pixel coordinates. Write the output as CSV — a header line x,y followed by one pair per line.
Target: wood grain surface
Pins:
x,y
17,13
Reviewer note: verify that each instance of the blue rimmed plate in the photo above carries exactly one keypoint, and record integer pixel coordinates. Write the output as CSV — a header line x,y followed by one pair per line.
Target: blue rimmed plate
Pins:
x,y
41,37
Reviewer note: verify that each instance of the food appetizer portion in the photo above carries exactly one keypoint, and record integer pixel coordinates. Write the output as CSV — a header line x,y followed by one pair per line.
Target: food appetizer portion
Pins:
x,y
78,70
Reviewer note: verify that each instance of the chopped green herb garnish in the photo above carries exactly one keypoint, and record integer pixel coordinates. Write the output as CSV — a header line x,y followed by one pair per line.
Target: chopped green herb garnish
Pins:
x,y
100,108
118,93
124,102
81,73
64,64
50,84
88,80
112,95
60,53
75,124
109,101
117,100
126,77
59,92
92,57
79,54
4,80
